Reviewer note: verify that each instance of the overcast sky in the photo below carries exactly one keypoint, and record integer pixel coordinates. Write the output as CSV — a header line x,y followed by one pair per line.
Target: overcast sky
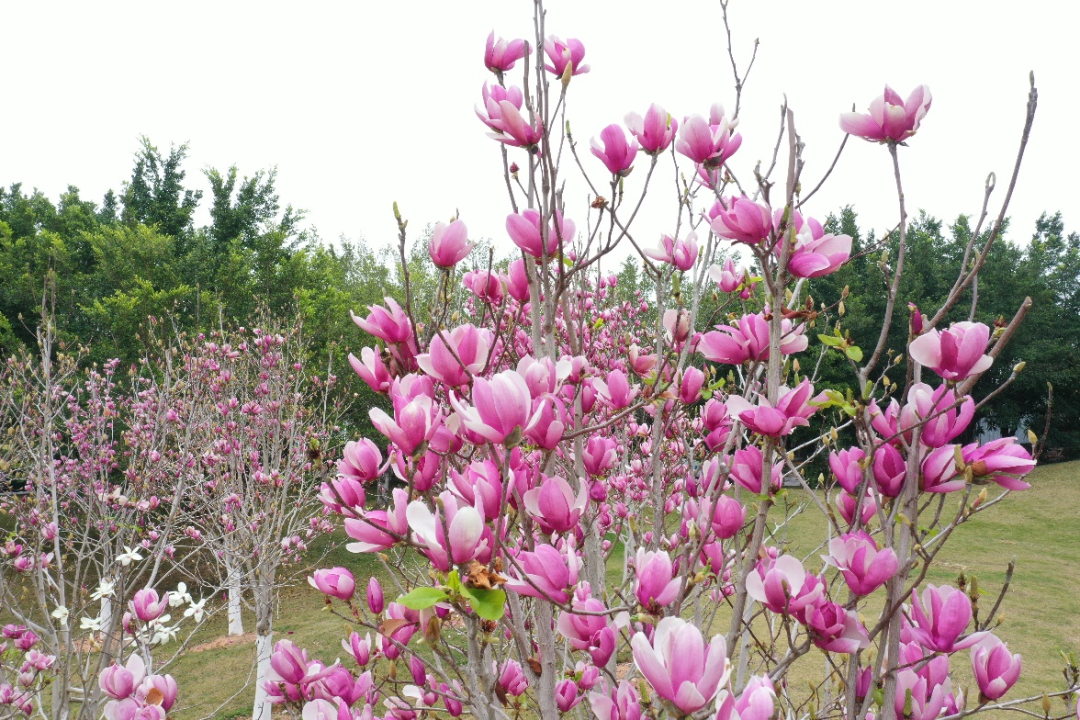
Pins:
x,y
359,104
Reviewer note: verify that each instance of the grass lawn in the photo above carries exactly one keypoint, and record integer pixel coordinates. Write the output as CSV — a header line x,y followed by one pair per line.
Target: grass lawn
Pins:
x,y
1038,527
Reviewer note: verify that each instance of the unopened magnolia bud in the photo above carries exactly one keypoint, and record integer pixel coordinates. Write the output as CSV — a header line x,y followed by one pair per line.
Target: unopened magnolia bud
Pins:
x,y
1019,367
1032,437
1046,704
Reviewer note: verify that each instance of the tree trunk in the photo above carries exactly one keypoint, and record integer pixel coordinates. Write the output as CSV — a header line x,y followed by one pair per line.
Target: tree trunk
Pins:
x,y
232,582
264,646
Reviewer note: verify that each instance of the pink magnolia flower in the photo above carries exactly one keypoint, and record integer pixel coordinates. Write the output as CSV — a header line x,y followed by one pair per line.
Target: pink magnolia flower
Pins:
x,y
865,567
994,668
562,54
414,423
927,699
890,470
655,131
359,647
524,229
741,219
592,633
459,539
487,285
146,605
517,281
335,582
500,55
728,518
727,277
680,253
449,244
779,585
846,469
553,504
164,684
676,323
119,681
940,618
693,380
512,679
793,409
492,95
757,701
376,530
890,118
817,253
621,704
616,391
1001,461
502,408
846,504
939,471
952,415
371,370
749,467
956,353
617,154
479,481
835,629
600,455
375,595
749,340
454,357
513,129
678,664
708,142
361,460
546,573
391,326
654,586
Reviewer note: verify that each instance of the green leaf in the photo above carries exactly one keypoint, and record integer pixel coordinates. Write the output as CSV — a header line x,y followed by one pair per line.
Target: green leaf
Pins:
x,y
453,581
853,353
422,598
488,604
830,340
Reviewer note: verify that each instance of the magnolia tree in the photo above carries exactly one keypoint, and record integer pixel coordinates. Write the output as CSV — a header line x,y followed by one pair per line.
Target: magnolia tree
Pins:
x,y
584,518
90,529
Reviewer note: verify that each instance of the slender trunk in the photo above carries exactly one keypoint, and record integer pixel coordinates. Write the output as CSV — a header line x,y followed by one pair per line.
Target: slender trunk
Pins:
x,y
236,621
264,645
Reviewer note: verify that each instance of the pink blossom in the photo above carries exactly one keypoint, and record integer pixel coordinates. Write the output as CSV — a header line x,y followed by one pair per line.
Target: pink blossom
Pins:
x,y
727,277
835,629
939,471
817,253
361,460
927,699
517,282
524,229
793,409
846,504
890,118
680,253
693,380
924,402
502,408
940,618
845,465
487,285
890,470
655,131
994,668
546,573
500,55
453,357
748,468
146,605
655,587
592,633
600,455
119,681
708,142
757,701
621,704
676,323
616,391
376,529
512,679
749,340
414,423
513,129
741,219
335,582
375,595
678,664
1002,461
554,505
371,370
449,244
728,518
359,648
562,54
779,585
165,684
865,567
459,539
956,353
617,154
492,96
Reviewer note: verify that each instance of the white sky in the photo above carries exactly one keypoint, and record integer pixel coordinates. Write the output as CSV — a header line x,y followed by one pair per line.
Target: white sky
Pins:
x,y
359,104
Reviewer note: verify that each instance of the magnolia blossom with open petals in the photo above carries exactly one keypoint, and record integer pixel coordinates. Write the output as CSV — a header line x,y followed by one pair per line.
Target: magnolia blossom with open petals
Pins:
x,y
554,505
835,629
546,573
459,539
865,567
939,471
525,229
942,414
793,409
502,408
708,142
360,460
563,54
994,668
655,585
453,357
891,117
119,681
748,340
617,153
1002,461
449,244
147,606
513,129
492,95
817,253
336,582
655,131
678,664
940,617
956,353
680,253
501,55
371,369
748,471
779,585
741,219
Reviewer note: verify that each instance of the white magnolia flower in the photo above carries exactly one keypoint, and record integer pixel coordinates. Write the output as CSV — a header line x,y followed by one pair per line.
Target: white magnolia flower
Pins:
x,y
164,634
196,610
104,589
129,556
180,596
61,614
89,623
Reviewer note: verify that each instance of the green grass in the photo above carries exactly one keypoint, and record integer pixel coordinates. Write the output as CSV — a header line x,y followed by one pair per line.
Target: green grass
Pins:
x,y
1038,527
